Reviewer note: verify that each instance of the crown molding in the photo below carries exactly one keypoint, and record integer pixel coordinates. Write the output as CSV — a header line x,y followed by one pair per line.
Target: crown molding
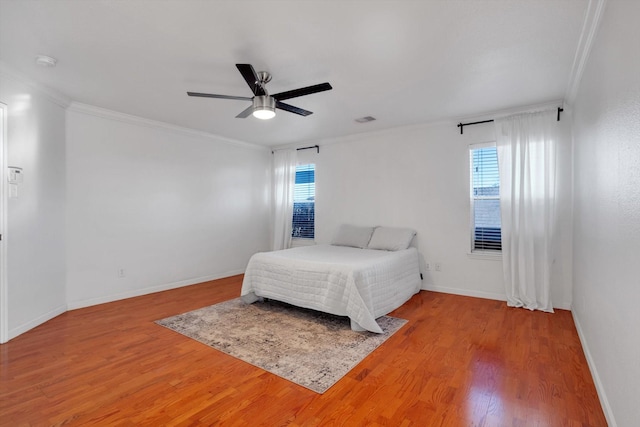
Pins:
x,y
67,103
361,135
78,107
453,122
590,26
53,95
497,114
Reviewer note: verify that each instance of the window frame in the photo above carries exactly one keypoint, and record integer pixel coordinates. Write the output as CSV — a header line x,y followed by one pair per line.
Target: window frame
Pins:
x,y
293,236
484,252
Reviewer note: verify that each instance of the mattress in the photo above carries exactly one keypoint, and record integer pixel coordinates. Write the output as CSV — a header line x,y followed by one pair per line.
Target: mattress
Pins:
x,y
362,284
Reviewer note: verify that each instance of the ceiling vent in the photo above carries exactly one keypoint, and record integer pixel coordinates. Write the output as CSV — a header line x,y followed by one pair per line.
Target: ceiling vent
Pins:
x,y
365,119
46,61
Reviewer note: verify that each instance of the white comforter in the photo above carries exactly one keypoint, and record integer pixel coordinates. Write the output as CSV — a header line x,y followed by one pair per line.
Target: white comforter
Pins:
x,y
362,284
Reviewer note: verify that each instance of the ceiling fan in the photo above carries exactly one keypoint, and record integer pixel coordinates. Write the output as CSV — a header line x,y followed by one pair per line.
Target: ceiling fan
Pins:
x,y
263,105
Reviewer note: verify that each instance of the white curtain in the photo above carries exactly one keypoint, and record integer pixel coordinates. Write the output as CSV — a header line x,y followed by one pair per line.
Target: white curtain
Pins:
x,y
284,179
527,156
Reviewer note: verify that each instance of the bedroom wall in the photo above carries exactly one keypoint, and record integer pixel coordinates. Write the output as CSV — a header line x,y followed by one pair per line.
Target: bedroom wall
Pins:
x,y
419,177
607,211
35,235
168,206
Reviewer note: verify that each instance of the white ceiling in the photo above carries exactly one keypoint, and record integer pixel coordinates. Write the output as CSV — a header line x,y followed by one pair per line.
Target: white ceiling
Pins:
x,y
403,62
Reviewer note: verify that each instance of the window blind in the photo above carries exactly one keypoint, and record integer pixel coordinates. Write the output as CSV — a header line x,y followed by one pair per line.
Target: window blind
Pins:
x,y
485,199
304,193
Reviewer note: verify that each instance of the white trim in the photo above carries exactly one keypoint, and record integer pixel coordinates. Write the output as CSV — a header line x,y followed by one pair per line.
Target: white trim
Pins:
x,y
4,292
37,321
604,402
589,29
477,145
297,242
359,136
356,137
478,253
485,255
497,114
53,95
465,292
104,113
480,294
67,103
73,305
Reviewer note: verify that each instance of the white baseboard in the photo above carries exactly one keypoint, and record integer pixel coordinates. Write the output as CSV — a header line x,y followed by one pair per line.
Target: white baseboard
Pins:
x,y
608,413
73,305
480,294
37,321
464,292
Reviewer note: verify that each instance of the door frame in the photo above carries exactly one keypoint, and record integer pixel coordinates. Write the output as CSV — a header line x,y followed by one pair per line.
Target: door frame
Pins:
x,y
4,303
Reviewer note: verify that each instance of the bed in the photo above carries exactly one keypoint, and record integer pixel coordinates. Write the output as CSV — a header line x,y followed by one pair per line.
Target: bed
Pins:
x,y
362,281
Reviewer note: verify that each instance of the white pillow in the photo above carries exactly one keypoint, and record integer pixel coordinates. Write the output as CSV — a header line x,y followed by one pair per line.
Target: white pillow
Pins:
x,y
391,238
352,235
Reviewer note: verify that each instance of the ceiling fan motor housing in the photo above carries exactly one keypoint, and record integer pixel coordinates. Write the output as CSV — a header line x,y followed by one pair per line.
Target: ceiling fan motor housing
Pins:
x,y
263,77
264,107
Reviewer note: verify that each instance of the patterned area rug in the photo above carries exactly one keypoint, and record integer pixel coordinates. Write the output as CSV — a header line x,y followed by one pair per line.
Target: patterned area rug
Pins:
x,y
307,347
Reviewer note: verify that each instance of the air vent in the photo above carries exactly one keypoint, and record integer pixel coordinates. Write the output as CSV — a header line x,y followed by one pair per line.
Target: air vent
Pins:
x,y
365,119
46,61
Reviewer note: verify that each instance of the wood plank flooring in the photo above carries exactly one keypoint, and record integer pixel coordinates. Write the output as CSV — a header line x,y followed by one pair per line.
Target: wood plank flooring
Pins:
x,y
459,361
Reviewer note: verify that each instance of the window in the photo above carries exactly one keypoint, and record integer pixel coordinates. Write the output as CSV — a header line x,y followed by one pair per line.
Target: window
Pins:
x,y
304,195
485,198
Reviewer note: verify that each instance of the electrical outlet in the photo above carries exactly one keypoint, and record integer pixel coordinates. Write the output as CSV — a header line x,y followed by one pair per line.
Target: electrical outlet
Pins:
x,y
121,272
438,266
427,266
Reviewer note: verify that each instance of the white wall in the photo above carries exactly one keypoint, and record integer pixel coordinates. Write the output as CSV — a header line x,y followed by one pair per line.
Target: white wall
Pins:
x,y
419,177
174,207
35,235
169,206
607,211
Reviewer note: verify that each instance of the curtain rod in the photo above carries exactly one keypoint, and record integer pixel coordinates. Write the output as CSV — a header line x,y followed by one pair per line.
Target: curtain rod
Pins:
x,y
462,125
317,147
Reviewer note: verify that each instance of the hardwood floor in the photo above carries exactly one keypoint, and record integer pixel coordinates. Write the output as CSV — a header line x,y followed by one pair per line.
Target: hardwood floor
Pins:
x,y
459,361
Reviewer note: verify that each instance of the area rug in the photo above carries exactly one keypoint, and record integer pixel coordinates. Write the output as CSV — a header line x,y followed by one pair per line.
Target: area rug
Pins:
x,y
307,347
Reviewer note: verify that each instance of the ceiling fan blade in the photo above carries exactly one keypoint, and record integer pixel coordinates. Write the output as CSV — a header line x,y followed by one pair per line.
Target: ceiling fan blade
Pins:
x,y
292,109
302,91
211,95
251,78
246,113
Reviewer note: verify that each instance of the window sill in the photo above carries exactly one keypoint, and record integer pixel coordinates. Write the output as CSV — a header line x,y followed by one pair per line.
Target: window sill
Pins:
x,y
486,255
299,241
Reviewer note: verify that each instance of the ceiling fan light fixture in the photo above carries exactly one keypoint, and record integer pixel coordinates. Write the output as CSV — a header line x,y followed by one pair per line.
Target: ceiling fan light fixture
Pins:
x,y
264,114
264,107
